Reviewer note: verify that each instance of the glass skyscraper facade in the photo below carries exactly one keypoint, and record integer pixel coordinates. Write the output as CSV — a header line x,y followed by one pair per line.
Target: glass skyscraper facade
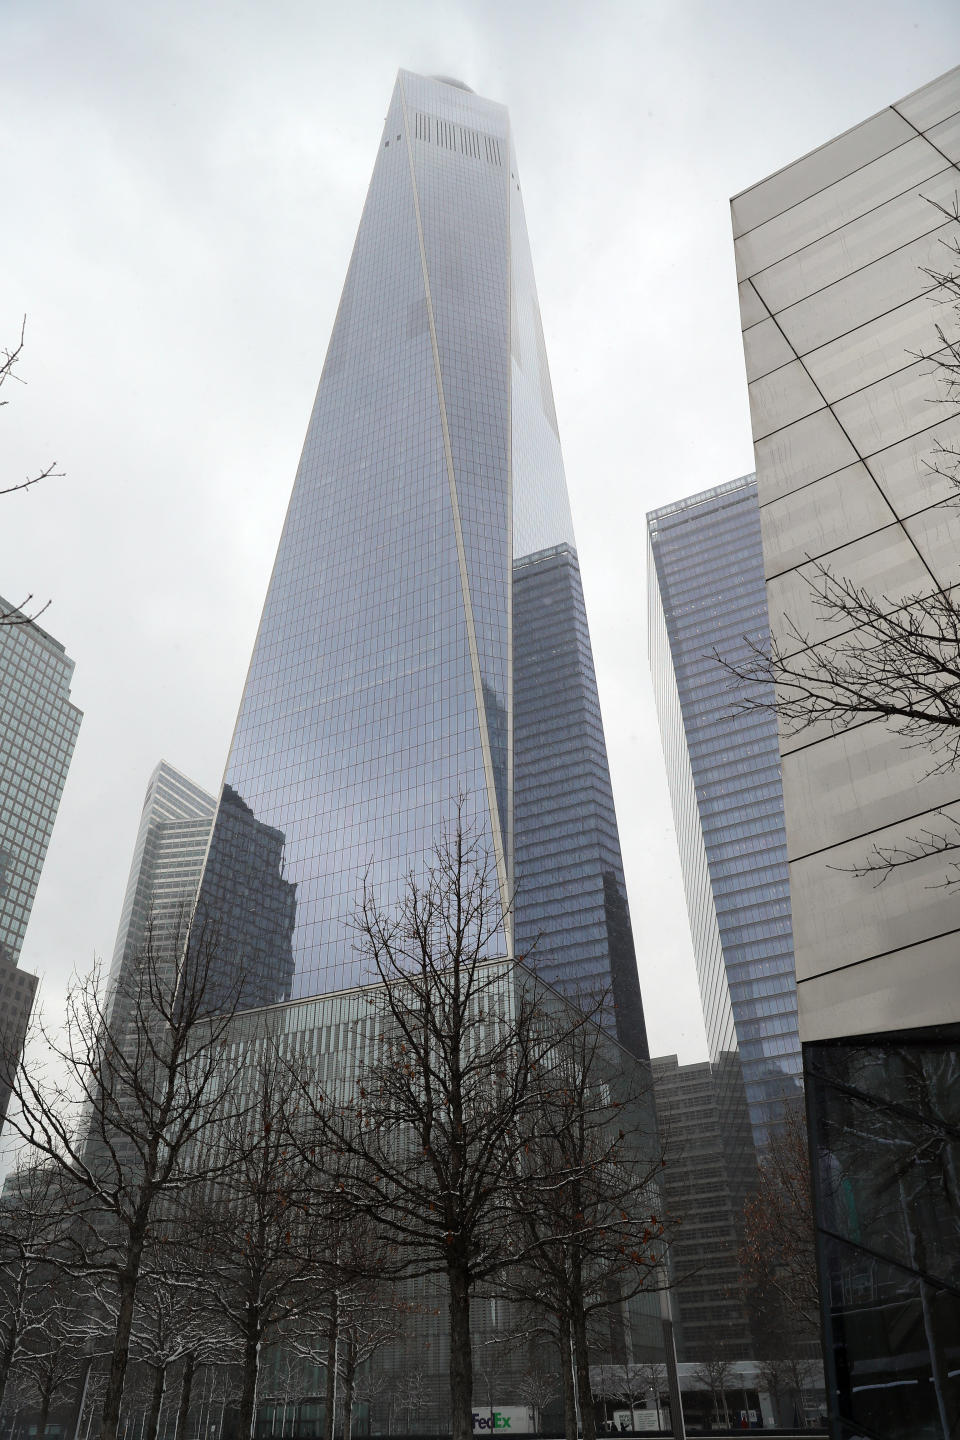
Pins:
x,y
402,664
38,732
168,857
707,598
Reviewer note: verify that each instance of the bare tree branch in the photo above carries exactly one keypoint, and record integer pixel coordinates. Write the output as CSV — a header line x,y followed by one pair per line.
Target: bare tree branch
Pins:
x,y
867,656
131,1090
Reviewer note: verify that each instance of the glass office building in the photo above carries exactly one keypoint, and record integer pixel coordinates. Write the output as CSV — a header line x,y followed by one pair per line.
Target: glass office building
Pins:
x,y
396,669
38,730
165,871
837,258
707,597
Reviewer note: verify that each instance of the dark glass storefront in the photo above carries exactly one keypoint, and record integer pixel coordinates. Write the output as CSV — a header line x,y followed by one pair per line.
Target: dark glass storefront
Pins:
x,y
884,1114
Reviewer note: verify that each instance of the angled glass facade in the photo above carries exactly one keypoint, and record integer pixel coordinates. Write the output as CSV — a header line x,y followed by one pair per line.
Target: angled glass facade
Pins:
x,y
38,730
382,685
572,906
707,594
168,856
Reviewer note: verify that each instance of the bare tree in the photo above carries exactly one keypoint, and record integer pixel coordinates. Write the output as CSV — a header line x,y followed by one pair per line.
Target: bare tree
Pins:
x,y
31,1222
171,1326
360,1314
536,1387
263,1249
632,1384
587,1199
371,1386
285,1383
787,1379
409,1395
9,360
430,1130
131,1092
717,1377
50,1361
778,1255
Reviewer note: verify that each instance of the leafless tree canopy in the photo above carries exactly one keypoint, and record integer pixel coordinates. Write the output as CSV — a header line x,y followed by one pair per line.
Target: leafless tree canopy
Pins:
x,y
266,1242
587,1200
9,360
213,1206
428,1135
120,1112
434,1135
892,661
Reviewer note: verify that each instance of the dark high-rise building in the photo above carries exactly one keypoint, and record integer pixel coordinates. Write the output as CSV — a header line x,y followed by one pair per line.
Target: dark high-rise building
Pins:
x,y
424,638
705,1182
168,859
706,598
572,913
38,730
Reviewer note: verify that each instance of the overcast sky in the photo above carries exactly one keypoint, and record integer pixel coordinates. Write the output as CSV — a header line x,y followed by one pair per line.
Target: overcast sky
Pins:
x,y
181,185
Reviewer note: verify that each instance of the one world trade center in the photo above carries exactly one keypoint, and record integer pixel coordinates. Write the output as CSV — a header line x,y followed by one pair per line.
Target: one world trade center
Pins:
x,y
424,638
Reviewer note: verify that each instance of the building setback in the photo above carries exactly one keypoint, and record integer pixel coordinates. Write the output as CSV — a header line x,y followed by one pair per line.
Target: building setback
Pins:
x,y
706,598
38,730
834,255
408,657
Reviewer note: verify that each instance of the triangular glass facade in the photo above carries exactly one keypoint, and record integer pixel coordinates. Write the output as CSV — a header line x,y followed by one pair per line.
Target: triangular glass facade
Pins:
x,y
381,687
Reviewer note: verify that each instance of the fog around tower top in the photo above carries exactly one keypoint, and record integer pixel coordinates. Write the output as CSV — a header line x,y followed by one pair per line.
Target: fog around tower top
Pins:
x,y
449,80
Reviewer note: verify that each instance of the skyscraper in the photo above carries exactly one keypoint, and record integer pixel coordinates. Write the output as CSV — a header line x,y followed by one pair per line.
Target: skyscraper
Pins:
x,y
167,863
837,257
707,597
424,640
38,730
704,1184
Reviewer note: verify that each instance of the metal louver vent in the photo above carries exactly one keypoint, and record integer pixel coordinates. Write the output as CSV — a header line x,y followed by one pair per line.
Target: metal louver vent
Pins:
x,y
459,138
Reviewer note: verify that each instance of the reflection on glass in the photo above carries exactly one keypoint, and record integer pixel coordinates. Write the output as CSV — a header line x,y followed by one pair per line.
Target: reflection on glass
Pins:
x,y
885,1129
572,920
381,688
248,905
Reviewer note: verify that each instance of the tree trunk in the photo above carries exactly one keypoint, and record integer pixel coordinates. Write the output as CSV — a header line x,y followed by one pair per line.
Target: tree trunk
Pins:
x,y
9,1347
247,1415
156,1400
578,1320
186,1385
44,1414
127,1295
461,1359
349,1380
330,1394
568,1387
